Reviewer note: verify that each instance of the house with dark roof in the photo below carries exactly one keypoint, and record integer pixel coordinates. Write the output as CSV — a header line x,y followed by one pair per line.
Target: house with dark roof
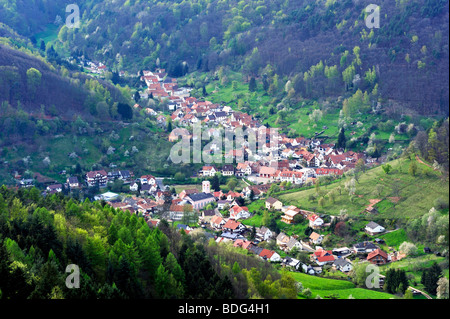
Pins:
x,y
256,250
290,262
228,170
373,228
99,178
293,243
343,265
73,182
263,233
55,188
207,215
364,247
273,203
200,200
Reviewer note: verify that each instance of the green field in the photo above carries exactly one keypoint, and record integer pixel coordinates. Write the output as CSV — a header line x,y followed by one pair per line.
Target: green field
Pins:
x,y
343,289
414,200
395,238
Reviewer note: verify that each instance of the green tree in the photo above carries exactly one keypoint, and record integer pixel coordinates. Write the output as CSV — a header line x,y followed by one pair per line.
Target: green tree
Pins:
x,y
342,140
252,85
215,183
412,168
386,168
430,278
34,78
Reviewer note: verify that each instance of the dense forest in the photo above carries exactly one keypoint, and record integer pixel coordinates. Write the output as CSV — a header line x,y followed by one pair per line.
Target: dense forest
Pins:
x,y
119,255
408,54
31,83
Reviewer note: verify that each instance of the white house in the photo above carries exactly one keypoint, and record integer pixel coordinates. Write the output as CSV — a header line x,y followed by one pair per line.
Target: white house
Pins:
x,y
55,187
134,187
270,255
343,265
238,212
73,182
315,221
316,238
291,262
293,243
209,171
263,233
373,228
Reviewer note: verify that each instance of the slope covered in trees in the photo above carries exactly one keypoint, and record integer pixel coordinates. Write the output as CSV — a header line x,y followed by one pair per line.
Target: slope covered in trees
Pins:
x,y
118,254
407,56
30,83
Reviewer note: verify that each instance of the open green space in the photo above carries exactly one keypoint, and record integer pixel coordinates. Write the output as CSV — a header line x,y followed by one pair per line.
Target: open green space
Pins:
x,y
341,288
49,34
416,194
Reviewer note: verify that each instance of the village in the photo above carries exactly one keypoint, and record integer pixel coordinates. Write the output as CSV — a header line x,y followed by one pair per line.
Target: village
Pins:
x,y
220,215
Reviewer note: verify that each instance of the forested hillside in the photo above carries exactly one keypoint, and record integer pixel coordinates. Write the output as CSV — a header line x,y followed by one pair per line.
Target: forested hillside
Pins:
x,y
118,254
30,83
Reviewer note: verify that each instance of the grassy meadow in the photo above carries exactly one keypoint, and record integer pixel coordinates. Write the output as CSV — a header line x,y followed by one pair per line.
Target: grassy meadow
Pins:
x,y
416,194
341,289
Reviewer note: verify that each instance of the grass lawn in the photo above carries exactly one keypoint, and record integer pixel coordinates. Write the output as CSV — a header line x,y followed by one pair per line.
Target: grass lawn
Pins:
x,y
180,188
394,238
342,288
413,202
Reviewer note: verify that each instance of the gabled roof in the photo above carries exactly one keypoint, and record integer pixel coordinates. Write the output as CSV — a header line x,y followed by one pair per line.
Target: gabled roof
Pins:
x,y
216,220
314,236
266,253
377,252
372,225
366,245
271,200
200,196
232,224
341,262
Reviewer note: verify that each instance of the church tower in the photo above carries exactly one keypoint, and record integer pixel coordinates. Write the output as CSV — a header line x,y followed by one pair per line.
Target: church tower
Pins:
x,y
206,187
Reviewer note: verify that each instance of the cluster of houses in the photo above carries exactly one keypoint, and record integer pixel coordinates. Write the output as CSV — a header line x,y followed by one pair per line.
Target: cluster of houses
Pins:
x,y
295,160
159,85
94,67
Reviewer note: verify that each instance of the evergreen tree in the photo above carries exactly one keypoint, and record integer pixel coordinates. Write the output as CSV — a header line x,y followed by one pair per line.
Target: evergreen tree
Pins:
x,y
430,278
215,183
42,46
137,97
125,111
252,85
342,141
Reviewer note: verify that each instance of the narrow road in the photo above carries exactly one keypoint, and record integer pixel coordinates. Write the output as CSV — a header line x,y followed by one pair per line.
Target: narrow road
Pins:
x,y
159,182
422,162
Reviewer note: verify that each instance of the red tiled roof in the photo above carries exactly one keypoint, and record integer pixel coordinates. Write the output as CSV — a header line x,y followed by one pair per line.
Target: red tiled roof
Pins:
x,y
375,253
266,253
231,224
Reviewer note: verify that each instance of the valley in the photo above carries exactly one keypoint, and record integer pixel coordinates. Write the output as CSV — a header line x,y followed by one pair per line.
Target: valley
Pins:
x,y
318,150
